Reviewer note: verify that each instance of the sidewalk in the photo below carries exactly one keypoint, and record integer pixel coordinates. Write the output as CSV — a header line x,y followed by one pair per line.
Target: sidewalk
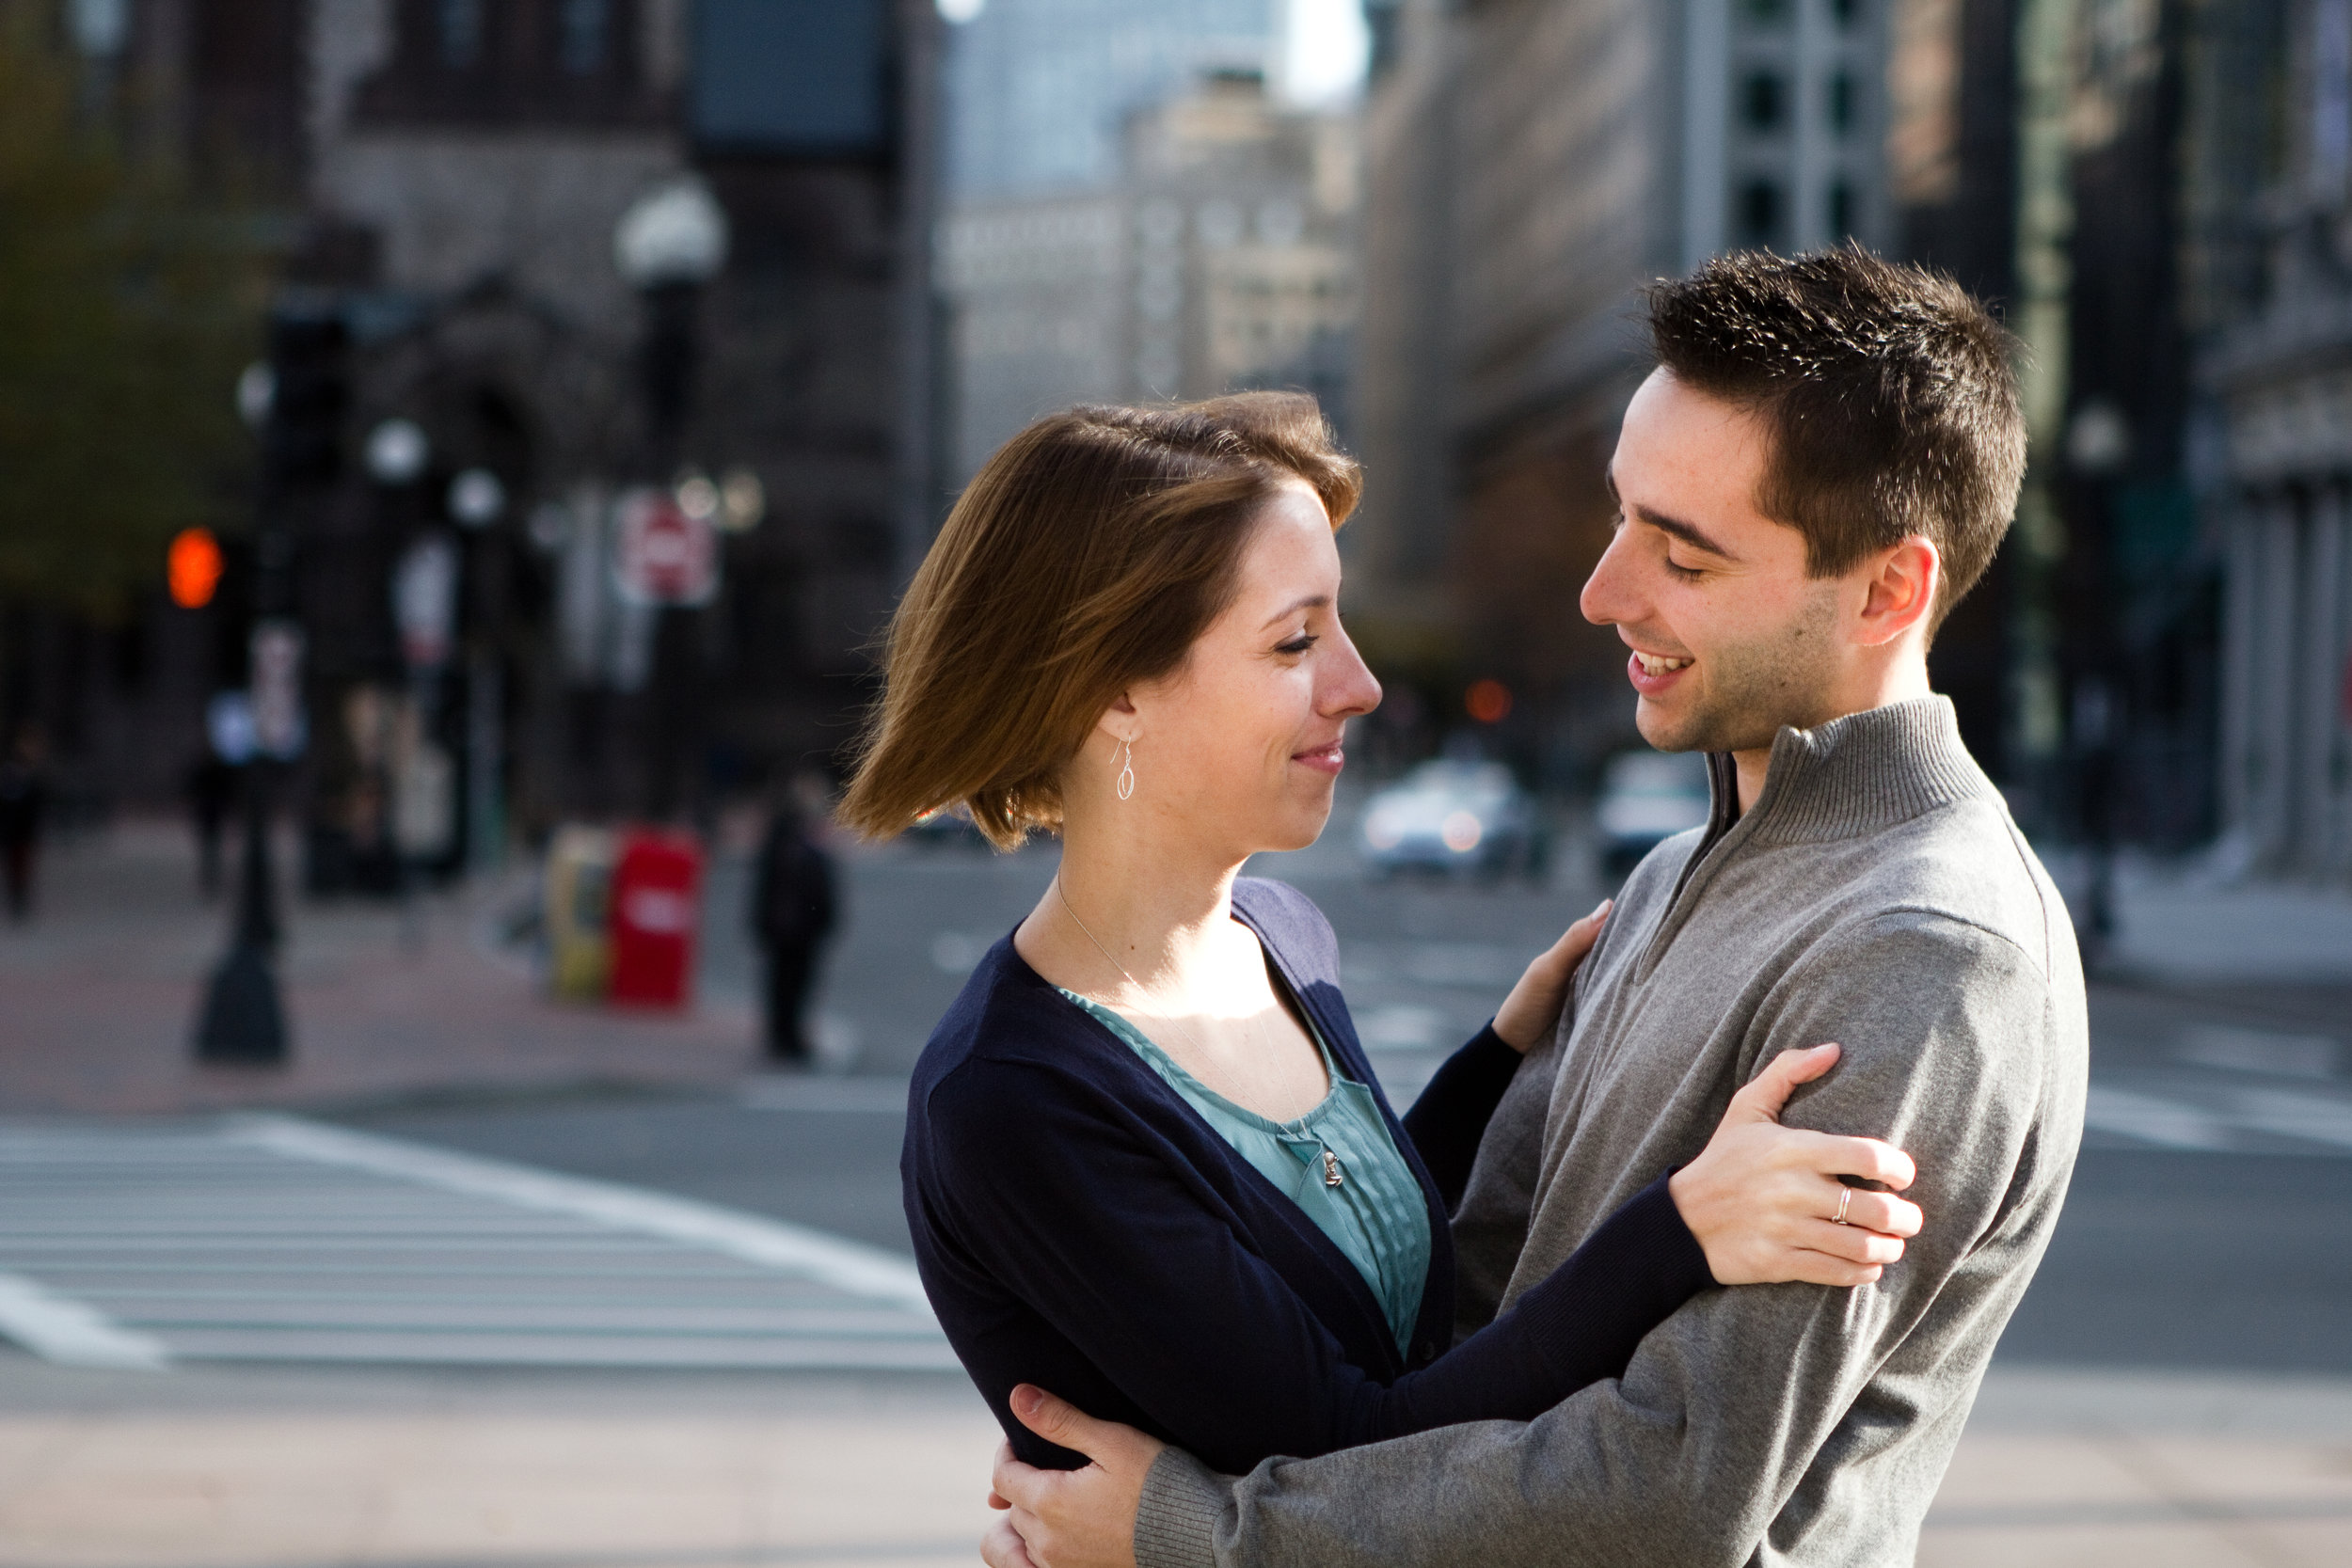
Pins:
x,y
2191,923
273,1468
102,991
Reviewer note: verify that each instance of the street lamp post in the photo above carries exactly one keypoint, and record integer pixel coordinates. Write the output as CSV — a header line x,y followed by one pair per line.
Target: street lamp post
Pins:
x,y
300,402
668,245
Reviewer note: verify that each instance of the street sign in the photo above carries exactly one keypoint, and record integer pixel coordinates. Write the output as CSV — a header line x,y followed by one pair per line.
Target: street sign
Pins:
x,y
662,555
424,601
280,727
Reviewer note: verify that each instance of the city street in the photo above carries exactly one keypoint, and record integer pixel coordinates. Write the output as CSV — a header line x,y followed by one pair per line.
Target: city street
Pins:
x,y
656,1317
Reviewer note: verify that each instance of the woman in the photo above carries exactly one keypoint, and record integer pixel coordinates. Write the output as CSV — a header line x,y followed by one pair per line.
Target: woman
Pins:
x,y
1147,1164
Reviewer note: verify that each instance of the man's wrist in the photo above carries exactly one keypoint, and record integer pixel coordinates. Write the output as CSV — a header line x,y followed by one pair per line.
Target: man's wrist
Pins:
x,y
1177,1516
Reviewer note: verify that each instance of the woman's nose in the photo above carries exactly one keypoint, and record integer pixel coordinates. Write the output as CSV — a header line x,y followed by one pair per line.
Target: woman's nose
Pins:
x,y
1356,690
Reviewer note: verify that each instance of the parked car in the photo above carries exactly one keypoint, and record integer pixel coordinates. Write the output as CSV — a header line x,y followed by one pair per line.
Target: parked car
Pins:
x,y
1466,817
1645,799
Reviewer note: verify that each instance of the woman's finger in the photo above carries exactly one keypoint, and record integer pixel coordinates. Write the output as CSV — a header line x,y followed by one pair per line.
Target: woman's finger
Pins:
x,y
1765,1096
1834,1154
1820,1268
1850,1242
1884,1212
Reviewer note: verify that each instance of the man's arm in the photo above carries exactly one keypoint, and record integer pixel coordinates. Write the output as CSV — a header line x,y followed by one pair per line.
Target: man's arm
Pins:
x,y
1690,1458
1692,1454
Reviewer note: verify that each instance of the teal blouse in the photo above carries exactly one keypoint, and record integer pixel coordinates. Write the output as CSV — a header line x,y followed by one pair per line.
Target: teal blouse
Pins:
x,y
1374,1214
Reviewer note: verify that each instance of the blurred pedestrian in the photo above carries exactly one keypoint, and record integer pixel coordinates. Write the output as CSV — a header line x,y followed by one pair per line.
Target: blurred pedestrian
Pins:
x,y
23,796
211,787
791,914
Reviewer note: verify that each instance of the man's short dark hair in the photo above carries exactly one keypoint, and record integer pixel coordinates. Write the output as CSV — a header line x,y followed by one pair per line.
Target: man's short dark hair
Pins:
x,y
1890,393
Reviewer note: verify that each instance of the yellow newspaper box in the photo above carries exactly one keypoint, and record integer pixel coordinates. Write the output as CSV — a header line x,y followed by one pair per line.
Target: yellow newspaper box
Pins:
x,y
579,895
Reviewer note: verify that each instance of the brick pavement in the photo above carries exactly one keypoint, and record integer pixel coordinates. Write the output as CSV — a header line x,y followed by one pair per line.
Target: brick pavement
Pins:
x,y
98,996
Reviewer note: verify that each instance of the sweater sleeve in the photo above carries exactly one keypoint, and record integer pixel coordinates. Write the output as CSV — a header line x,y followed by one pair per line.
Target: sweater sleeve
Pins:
x,y
1126,1254
1704,1453
1451,1116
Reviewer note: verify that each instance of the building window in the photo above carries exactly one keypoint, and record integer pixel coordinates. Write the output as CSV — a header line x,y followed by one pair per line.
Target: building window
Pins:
x,y
461,34
580,35
1764,13
1842,95
1761,101
1841,208
1759,212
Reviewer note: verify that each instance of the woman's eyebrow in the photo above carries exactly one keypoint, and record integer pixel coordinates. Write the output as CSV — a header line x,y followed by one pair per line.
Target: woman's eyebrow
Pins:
x,y
1312,601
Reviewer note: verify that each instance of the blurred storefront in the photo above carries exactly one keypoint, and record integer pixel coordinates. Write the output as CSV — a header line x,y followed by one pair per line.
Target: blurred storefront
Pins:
x,y
447,180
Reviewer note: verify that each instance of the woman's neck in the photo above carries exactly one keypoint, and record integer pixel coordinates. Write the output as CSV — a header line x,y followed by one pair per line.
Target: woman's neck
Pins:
x,y
1160,914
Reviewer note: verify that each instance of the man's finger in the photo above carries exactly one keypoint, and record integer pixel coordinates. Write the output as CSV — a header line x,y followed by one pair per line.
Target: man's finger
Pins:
x,y
1057,1420
1002,1547
1015,1482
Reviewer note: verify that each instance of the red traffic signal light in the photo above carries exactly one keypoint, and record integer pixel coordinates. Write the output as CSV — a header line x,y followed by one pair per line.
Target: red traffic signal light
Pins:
x,y
192,567
1488,701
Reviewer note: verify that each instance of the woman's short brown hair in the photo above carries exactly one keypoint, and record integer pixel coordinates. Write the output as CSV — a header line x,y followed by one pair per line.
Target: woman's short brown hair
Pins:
x,y
1086,557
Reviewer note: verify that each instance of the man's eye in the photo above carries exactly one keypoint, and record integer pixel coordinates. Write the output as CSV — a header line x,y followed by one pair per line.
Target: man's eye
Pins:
x,y
1686,573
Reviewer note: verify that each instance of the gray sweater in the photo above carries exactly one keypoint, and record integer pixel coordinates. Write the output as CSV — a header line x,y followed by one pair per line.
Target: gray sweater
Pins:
x,y
1878,895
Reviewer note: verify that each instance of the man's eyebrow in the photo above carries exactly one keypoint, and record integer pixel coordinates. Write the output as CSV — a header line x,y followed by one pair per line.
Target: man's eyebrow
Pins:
x,y
1690,533
1312,601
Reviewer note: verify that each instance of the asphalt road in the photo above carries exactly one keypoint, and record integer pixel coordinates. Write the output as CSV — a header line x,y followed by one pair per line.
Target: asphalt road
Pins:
x,y
2236,1255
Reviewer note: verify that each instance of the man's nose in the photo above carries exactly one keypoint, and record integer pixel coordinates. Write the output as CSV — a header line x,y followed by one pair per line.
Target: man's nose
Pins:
x,y
1606,600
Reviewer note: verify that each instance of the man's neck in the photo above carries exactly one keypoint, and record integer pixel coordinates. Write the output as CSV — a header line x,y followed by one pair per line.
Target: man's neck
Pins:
x,y
1900,682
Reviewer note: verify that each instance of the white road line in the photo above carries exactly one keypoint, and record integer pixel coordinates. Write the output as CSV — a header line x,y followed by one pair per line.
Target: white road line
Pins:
x,y
2297,1115
71,1333
845,1265
2164,1122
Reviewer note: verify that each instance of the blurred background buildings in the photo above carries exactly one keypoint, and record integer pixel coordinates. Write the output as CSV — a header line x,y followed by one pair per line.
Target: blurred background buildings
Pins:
x,y
939,220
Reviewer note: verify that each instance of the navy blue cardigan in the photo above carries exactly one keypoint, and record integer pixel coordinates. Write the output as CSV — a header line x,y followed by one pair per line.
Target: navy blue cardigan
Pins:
x,y
1080,1228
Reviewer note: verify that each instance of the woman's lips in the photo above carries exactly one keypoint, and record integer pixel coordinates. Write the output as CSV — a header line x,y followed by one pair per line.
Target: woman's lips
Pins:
x,y
1322,759
1652,673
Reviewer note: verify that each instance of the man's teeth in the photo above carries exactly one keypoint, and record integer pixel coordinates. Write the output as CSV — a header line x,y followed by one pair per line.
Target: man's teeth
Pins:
x,y
1652,665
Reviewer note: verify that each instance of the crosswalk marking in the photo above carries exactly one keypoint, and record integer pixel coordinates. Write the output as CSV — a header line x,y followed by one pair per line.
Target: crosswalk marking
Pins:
x,y
2223,1116
269,1238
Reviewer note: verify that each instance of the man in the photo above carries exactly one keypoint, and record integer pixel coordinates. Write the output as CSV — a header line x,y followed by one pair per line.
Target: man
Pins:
x,y
791,916
1824,460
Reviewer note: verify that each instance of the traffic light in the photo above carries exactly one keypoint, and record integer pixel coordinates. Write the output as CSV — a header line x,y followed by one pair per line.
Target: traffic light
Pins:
x,y
311,395
192,567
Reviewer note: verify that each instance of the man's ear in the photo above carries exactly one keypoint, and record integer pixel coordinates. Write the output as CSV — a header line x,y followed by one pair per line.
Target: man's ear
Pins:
x,y
1901,590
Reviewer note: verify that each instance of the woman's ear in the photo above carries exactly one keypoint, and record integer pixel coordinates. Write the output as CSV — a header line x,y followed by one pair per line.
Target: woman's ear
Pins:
x,y
1121,720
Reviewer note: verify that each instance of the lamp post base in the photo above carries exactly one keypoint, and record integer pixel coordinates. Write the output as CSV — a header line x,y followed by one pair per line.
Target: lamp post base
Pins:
x,y
243,1021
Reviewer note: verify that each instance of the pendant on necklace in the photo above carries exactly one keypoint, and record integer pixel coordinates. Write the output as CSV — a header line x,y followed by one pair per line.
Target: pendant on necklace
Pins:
x,y
1331,1177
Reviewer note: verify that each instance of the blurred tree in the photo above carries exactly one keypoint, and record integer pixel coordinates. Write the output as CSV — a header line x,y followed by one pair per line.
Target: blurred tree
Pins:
x,y
129,299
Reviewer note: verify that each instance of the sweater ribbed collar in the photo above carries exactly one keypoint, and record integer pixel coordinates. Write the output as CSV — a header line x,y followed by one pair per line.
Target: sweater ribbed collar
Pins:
x,y
1860,774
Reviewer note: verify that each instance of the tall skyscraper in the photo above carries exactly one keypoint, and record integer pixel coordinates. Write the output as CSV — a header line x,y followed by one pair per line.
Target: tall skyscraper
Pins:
x,y
1037,89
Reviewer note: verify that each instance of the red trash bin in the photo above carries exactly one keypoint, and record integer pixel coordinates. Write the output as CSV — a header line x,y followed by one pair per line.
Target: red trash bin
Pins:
x,y
654,909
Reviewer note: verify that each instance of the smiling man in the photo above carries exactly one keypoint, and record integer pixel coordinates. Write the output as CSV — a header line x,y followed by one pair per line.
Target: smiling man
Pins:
x,y
1824,460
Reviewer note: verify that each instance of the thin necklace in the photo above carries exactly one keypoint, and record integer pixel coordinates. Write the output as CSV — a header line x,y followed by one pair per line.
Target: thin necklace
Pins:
x,y
1332,1174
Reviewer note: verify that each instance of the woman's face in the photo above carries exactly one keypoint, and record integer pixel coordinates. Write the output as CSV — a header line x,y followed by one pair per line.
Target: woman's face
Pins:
x,y
1241,746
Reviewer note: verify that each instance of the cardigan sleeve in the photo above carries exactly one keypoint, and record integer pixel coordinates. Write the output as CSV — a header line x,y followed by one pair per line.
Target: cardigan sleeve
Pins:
x,y
1122,1248
1451,1116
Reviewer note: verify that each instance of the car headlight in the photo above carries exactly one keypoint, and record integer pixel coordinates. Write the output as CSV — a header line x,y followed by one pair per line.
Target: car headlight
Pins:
x,y
1381,831
1461,830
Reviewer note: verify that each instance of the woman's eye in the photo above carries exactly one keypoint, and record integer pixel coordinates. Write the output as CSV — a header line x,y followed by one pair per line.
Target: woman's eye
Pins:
x,y
1298,644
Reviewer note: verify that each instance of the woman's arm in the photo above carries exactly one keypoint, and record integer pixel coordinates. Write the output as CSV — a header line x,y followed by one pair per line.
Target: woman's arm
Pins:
x,y
1450,1118
1074,1207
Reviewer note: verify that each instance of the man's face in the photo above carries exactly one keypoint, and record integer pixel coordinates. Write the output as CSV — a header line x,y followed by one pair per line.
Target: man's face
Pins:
x,y
1730,639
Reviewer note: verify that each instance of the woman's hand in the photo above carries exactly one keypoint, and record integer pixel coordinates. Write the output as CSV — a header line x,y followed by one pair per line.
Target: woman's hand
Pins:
x,y
1531,1011
1763,1198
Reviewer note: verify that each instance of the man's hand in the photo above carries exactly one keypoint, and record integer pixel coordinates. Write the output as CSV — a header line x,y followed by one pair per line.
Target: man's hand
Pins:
x,y
1068,1518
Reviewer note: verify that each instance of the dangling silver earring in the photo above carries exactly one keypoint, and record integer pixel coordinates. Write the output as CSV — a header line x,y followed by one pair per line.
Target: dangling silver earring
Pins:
x,y
1127,773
